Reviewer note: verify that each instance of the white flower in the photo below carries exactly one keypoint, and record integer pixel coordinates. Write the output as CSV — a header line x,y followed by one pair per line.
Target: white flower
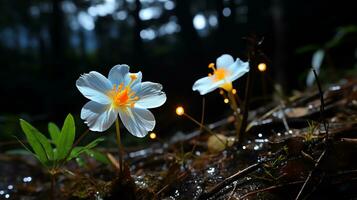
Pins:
x,y
121,93
227,71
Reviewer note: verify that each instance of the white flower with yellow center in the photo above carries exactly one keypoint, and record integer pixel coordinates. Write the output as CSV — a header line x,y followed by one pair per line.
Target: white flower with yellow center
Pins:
x,y
226,72
121,93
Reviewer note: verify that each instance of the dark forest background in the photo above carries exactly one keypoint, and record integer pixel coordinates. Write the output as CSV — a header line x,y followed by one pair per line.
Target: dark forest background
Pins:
x,y
46,44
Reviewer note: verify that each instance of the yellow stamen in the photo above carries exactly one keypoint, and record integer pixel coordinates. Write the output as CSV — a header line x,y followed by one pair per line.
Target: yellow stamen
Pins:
x,y
220,74
133,76
123,96
120,86
211,66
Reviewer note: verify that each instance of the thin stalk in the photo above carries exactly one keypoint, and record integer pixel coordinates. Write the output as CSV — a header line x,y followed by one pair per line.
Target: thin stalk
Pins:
x,y
322,106
234,106
246,103
53,182
121,164
203,111
203,127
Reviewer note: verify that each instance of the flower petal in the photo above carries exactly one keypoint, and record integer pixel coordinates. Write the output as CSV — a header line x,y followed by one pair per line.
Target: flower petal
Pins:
x,y
94,86
118,73
150,95
135,85
206,85
224,61
97,116
138,121
238,69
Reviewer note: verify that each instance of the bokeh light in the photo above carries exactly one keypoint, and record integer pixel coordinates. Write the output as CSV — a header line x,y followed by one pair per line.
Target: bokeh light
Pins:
x,y
262,67
152,135
180,111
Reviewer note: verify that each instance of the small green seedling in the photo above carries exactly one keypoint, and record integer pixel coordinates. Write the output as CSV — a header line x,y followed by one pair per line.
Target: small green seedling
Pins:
x,y
56,151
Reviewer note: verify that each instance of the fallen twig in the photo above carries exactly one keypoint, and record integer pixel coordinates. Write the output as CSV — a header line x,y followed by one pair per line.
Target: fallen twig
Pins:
x,y
234,189
322,108
349,140
273,187
310,175
179,178
270,188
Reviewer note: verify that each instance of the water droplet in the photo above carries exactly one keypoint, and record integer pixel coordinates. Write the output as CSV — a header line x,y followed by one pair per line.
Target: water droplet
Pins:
x,y
244,147
334,88
256,147
10,187
97,196
2,192
7,196
279,134
177,194
260,140
27,179
211,170
260,135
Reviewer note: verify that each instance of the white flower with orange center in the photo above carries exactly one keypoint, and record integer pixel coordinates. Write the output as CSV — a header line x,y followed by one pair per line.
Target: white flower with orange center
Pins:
x,y
121,93
226,71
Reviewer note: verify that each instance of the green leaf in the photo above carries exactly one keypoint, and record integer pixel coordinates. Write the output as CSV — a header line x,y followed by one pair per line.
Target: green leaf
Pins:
x,y
98,156
308,48
94,143
19,152
76,151
79,150
341,34
66,138
54,131
39,143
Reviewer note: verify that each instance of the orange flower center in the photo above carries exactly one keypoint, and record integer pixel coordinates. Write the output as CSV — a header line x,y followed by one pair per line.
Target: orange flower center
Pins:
x,y
123,96
220,74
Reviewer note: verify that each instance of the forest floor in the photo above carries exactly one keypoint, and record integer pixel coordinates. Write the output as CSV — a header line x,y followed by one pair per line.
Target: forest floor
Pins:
x,y
291,150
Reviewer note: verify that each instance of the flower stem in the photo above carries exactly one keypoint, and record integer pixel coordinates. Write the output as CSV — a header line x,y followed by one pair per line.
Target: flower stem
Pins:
x,y
234,107
121,164
203,127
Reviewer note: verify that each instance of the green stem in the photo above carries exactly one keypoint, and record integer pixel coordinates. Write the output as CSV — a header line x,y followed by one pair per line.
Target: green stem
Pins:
x,y
121,164
234,107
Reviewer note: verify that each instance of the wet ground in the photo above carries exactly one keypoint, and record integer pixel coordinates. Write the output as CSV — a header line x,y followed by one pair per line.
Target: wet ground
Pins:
x,y
288,152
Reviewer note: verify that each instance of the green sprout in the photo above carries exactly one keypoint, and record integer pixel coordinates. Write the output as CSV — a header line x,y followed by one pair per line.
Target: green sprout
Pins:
x,y
309,136
54,152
